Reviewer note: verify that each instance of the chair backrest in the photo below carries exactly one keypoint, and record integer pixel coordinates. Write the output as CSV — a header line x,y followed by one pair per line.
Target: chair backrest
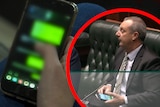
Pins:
x,y
103,44
152,40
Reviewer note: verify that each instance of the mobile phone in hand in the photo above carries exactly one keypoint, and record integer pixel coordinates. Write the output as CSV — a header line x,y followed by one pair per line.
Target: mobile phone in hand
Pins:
x,y
47,21
103,97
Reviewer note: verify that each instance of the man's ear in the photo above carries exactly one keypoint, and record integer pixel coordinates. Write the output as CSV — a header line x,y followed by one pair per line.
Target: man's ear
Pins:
x,y
135,36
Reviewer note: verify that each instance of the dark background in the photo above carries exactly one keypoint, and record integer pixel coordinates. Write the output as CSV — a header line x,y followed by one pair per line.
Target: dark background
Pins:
x,y
12,9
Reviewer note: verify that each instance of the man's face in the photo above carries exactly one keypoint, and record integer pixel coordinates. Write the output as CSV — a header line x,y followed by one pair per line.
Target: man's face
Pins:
x,y
124,34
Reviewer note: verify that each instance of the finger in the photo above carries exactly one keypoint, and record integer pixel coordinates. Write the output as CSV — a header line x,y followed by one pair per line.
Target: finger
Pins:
x,y
109,101
111,94
69,40
63,61
46,50
63,58
101,89
108,88
49,54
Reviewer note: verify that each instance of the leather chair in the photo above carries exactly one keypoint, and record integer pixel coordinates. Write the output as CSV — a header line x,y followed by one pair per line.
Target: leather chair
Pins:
x,y
103,45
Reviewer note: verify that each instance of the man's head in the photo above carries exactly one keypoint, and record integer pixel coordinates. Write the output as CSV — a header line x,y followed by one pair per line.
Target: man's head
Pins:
x,y
131,33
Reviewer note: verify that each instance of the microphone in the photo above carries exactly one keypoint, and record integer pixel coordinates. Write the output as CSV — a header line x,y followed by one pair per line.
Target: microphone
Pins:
x,y
94,90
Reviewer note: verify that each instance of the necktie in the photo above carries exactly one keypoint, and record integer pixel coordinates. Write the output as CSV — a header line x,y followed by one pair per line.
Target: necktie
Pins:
x,y
121,75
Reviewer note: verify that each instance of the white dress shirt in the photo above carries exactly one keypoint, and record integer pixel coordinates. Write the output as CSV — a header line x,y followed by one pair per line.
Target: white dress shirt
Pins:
x,y
131,57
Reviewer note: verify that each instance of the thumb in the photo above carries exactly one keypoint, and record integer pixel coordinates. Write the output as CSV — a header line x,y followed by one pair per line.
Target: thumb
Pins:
x,y
46,51
108,89
111,94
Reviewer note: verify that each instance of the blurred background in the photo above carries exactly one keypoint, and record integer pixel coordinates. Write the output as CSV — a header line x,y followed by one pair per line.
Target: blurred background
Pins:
x,y
11,11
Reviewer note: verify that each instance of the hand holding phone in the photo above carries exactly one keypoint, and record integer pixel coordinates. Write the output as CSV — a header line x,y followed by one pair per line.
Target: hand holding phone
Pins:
x,y
103,97
47,21
52,78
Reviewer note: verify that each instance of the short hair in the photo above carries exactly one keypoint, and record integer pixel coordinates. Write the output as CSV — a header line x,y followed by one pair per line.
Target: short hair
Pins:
x,y
137,26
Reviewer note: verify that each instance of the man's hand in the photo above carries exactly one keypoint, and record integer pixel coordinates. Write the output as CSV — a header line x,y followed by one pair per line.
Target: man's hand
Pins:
x,y
53,89
63,59
105,88
116,101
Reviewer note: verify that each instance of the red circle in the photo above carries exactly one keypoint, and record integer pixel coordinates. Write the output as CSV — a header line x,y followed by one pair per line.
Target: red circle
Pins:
x,y
105,13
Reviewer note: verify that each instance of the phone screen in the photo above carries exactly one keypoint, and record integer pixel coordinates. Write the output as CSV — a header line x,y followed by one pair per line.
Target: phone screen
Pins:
x,y
103,97
41,22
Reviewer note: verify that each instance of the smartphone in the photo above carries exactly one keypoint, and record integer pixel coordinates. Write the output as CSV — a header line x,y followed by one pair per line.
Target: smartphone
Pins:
x,y
47,21
103,97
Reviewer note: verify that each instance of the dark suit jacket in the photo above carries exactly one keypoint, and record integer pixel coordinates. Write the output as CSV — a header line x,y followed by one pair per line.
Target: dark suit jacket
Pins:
x,y
143,87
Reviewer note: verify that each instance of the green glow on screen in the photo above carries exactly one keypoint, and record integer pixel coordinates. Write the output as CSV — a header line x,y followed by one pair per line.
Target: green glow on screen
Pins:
x,y
35,76
47,32
35,62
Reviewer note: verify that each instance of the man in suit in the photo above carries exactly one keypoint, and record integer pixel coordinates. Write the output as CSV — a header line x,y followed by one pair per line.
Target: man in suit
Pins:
x,y
139,86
